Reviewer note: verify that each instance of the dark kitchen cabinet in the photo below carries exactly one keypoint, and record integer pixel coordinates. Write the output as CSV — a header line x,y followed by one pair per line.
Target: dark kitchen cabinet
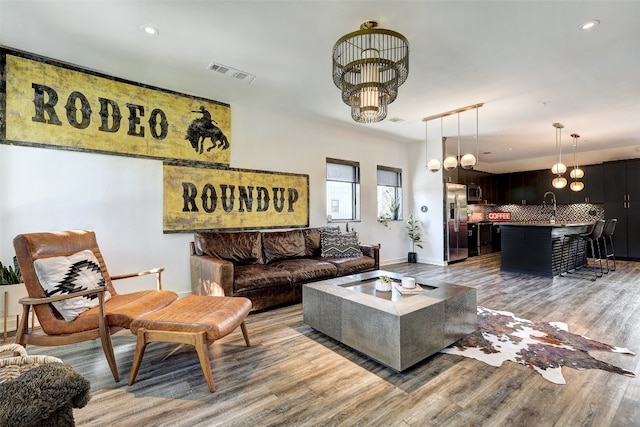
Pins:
x,y
524,188
484,181
487,183
593,184
503,188
517,188
452,176
545,177
622,201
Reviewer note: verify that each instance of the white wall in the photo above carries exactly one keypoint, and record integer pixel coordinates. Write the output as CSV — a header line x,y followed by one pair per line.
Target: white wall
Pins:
x,y
121,198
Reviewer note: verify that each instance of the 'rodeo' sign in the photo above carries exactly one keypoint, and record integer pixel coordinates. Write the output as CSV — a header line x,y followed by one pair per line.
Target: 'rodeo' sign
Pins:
x,y
50,104
214,199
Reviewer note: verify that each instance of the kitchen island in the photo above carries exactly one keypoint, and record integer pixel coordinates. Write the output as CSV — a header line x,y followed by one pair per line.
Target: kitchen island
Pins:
x,y
536,247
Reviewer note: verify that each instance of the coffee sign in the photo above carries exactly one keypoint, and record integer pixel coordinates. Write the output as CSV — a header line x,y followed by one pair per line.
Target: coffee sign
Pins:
x,y
499,216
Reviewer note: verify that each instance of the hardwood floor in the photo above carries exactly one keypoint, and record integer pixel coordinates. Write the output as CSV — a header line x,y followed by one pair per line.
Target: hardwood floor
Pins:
x,y
293,375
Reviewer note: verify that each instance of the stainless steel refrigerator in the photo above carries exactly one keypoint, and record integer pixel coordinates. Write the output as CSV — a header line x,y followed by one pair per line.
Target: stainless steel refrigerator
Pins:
x,y
455,223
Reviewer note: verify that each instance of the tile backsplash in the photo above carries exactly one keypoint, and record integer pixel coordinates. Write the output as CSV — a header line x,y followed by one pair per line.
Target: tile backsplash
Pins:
x,y
578,212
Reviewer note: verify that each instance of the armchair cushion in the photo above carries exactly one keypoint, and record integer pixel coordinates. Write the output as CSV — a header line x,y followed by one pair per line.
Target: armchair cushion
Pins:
x,y
63,275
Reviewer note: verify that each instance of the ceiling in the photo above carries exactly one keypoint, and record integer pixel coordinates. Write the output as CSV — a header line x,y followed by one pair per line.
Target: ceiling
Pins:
x,y
525,60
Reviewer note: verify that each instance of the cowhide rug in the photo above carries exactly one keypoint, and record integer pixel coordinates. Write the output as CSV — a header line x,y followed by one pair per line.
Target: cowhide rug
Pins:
x,y
545,347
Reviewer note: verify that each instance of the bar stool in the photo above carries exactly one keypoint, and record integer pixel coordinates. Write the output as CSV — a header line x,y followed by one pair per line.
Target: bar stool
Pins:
x,y
567,241
575,246
607,233
590,238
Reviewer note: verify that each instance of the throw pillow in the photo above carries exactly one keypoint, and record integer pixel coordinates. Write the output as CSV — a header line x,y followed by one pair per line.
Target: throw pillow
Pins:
x,y
340,245
64,275
312,239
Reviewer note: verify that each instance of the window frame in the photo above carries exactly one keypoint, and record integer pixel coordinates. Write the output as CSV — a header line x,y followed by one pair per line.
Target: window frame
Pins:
x,y
354,190
384,210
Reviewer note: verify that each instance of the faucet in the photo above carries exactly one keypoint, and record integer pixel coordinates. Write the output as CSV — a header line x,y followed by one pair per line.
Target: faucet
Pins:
x,y
553,200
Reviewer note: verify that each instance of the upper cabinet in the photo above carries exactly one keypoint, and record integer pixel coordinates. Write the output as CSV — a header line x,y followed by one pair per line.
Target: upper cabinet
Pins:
x,y
524,188
529,188
594,184
483,180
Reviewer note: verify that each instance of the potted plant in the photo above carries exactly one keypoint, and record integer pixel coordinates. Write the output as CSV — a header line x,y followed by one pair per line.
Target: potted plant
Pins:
x,y
10,275
391,210
413,231
384,283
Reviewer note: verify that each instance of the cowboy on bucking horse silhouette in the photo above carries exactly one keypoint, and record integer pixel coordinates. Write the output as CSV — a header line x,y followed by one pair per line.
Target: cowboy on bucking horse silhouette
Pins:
x,y
205,127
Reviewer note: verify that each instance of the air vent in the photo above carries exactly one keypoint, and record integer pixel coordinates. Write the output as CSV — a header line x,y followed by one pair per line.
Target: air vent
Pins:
x,y
231,72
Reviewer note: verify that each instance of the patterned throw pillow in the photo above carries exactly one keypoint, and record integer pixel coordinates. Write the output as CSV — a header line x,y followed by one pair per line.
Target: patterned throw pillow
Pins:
x,y
69,274
340,245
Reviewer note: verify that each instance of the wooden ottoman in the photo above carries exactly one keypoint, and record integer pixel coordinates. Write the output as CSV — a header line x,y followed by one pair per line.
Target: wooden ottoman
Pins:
x,y
193,320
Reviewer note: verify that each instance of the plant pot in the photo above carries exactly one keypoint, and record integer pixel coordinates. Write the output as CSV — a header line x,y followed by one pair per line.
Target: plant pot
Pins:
x,y
412,257
383,286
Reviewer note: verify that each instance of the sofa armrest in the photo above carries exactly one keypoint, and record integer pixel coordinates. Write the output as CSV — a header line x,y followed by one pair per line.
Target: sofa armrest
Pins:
x,y
211,276
372,251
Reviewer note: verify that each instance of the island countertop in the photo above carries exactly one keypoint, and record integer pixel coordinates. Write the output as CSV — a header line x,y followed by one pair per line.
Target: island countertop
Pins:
x,y
536,247
546,224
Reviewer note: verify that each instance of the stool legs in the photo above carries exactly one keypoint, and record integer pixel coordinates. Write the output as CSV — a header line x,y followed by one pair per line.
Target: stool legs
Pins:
x,y
609,254
196,339
594,260
203,356
141,344
245,334
601,254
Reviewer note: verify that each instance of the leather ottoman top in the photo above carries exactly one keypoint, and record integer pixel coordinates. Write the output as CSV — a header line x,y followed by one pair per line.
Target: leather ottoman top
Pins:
x,y
217,316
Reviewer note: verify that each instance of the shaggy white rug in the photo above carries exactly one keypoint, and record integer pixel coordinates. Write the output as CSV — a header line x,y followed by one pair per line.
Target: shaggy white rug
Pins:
x,y
544,347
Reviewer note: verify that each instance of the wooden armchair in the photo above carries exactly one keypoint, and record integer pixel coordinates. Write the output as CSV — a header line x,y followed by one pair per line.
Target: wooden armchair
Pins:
x,y
98,322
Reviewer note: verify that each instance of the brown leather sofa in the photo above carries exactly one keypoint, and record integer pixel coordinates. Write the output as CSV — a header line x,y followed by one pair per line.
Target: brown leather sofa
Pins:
x,y
268,267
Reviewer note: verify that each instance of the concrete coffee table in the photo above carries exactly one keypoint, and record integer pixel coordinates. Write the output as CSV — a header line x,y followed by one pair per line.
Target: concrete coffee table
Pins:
x,y
397,329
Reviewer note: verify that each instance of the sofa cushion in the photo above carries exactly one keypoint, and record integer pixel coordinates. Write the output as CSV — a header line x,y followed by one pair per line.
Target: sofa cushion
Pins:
x,y
307,270
339,245
354,265
252,277
312,238
283,244
240,248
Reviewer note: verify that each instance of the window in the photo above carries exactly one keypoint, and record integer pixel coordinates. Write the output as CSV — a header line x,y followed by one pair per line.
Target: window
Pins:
x,y
389,193
343,190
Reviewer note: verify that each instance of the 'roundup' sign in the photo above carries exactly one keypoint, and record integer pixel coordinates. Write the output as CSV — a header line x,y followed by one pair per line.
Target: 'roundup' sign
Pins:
x,y
203,198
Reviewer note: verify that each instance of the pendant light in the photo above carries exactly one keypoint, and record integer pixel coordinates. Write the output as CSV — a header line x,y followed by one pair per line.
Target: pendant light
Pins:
x,y
576,173
451,162
467,161
433,165
559,168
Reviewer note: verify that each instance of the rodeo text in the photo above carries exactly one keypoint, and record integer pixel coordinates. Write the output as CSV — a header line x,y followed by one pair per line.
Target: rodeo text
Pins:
x,y
78,113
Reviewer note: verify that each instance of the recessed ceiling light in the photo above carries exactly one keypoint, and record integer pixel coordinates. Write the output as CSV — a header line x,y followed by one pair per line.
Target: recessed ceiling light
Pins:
x,y
150,30
589,25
